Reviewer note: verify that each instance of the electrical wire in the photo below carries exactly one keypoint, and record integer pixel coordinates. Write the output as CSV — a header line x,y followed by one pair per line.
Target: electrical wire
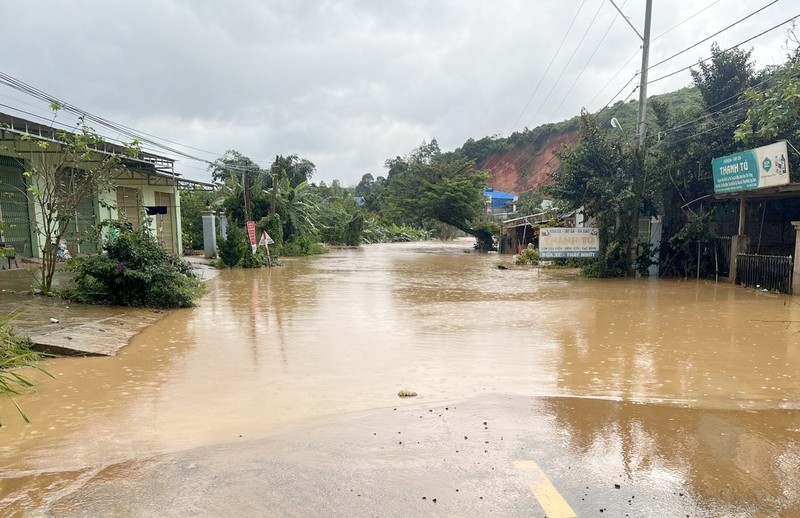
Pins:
x,y
684,21
715,34
144,138
543,75
585,65
563,70
762,33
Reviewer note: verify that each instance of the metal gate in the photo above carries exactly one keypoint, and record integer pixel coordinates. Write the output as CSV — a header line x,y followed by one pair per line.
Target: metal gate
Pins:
x,y
767,272
164,226
14,206
79,230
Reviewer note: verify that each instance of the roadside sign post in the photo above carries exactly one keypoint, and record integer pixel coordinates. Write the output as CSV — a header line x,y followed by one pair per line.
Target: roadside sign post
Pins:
x,y
562,242
251,233
266,240
764,166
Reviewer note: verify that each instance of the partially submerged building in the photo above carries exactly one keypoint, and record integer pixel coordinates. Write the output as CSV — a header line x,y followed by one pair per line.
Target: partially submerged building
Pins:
x,y
500,204
144,191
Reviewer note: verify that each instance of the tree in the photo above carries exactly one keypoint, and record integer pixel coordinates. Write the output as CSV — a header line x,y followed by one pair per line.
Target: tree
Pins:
x,y
431,185
365,186
682,157
298,208
237,170
773,113
297,170
193,203
606,178
61,175
231,166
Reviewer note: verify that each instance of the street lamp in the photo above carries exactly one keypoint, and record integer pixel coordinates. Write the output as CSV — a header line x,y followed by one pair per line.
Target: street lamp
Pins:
x,y
615,124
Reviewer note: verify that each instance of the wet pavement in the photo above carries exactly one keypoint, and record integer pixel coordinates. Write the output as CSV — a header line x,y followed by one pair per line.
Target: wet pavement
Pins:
x,y
490,455
60,327
277,396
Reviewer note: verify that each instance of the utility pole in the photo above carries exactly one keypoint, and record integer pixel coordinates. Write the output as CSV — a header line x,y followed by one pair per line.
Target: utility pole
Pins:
x,y
641,130
275,169
246,194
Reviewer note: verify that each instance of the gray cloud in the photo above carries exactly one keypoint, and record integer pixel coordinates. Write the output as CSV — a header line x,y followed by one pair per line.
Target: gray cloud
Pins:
x,y
346,84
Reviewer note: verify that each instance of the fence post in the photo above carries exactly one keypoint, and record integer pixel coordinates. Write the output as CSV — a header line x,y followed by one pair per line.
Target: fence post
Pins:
x,y
795,262
740,244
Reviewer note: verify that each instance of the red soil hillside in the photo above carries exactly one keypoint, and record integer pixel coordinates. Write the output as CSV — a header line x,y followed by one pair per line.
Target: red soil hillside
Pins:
x,y
524,169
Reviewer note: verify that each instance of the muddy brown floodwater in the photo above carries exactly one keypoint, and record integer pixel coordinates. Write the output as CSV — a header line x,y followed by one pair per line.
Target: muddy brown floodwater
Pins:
x,y
661,369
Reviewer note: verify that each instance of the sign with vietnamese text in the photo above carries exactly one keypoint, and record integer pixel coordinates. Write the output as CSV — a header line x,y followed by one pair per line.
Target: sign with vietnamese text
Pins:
x,y
558,242
251,233
764,166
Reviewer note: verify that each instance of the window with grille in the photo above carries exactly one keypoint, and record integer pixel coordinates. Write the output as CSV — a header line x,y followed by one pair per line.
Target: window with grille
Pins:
x,y
128,205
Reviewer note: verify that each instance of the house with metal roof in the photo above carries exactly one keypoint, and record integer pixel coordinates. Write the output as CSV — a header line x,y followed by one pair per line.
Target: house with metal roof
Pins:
x,y
144,191
500,203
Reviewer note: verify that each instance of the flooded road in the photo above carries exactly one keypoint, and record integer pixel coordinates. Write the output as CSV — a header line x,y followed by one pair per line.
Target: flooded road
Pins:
x,y
695,384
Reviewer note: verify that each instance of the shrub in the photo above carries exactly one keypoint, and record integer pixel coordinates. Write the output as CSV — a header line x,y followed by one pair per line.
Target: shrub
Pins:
x,y
134,270
303,244
528,256
15,352
257,260
232,249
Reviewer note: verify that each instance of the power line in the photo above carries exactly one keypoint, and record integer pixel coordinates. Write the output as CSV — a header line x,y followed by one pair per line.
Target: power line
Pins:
x,y
684,21
543,75
32,91
572,56
596,48
726,50
39,94
715,34
624,66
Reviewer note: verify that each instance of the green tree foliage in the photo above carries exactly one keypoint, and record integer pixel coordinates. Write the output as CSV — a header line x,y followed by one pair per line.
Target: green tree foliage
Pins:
x,y
233,248
134,270
299,210
431,185
372,190
530,202
342,222
193,203
606,178
61,176
366,185
297,170
232,165
774,112
297,206
691,137
15,352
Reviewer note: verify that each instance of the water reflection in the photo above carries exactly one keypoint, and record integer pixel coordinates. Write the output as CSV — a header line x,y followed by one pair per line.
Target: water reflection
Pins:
x,y
726,462
345,331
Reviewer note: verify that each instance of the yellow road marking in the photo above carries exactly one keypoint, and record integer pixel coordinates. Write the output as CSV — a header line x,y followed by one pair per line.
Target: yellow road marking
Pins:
x,y
553,504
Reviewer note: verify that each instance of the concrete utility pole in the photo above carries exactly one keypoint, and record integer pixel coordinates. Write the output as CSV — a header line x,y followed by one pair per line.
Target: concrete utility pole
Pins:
x,y
246,194
641,124
641,128
641,133
275,170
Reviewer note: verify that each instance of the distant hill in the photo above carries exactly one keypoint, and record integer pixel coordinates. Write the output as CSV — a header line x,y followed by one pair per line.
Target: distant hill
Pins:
x,y
525,160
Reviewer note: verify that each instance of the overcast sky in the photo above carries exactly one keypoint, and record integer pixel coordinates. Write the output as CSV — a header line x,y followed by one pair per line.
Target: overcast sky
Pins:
x,y
348,84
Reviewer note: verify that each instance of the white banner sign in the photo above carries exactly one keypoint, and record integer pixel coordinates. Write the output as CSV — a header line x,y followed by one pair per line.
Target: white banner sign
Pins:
x,y
559,242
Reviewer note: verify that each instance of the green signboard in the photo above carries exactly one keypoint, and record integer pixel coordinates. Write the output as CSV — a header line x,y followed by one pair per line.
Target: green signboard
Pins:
x,y
764,166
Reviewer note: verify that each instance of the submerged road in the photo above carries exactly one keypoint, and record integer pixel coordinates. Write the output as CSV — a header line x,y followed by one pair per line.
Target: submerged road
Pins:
x,y
540,393
491,455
